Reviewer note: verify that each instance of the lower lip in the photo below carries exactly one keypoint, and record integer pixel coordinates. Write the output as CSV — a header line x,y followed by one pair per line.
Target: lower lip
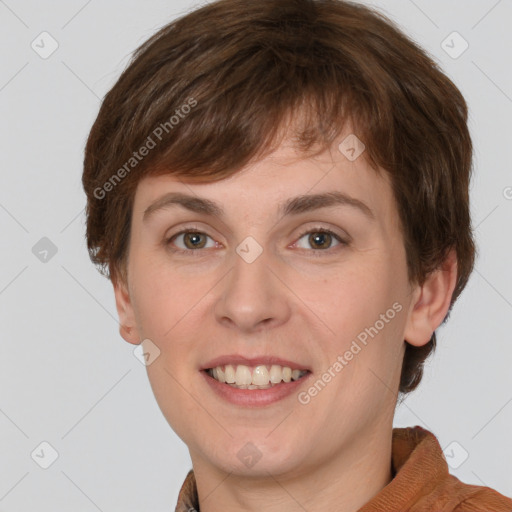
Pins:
x,y
254,397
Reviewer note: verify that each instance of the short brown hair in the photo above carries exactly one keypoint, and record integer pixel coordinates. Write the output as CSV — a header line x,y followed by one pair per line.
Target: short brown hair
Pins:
x,y
245,70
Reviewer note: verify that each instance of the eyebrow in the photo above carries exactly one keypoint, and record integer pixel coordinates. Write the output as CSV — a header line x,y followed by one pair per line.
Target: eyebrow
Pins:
x,y
292,206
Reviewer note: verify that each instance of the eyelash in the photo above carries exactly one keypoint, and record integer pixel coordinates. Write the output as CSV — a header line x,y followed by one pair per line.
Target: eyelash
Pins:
x,y
316,252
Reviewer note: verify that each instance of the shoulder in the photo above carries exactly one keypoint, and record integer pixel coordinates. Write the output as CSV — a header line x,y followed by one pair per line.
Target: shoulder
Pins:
x,y
424,477
461,497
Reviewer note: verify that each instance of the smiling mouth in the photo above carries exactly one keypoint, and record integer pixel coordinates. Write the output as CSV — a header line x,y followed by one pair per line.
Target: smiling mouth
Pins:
x,y
255,377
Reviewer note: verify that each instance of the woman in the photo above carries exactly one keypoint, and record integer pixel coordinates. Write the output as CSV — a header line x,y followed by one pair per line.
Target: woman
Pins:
x,y
278,191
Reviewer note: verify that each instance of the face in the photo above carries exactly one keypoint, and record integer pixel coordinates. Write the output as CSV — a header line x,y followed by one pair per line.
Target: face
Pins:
x,y
264,284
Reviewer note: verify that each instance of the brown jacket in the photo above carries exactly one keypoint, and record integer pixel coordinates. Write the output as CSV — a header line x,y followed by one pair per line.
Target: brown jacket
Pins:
x,y
421,482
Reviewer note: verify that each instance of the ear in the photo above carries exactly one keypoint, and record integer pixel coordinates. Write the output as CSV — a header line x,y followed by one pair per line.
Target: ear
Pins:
x,y
127,324
431,302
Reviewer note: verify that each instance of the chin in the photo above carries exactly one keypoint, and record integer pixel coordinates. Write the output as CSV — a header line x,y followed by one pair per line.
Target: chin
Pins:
x,y
256,455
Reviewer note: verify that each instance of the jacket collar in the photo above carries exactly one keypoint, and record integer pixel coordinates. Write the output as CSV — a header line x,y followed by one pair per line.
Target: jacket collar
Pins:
x,y
420,478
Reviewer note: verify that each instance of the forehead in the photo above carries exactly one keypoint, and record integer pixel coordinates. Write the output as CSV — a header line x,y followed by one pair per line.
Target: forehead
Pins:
x,y
275,184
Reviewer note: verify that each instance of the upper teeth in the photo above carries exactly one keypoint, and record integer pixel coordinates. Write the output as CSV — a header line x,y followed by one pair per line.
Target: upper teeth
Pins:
x,y
261,375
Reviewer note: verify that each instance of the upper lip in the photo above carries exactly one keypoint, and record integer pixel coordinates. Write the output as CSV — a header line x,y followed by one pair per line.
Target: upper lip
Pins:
x,y
235,359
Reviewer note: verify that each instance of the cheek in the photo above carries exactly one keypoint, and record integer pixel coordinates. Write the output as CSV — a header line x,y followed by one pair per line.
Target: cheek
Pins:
x,y
366,313
164,297
364,309
167,308
356,295
168,382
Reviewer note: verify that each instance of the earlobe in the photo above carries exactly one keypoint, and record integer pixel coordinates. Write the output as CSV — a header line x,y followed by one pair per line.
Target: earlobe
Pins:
x,y
127,324
431,302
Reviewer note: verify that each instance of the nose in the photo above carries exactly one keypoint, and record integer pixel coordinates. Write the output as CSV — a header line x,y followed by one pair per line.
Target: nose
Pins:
x,y
253,295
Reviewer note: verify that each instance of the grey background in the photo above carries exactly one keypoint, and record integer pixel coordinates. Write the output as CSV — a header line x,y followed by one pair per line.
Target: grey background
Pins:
x,y
66,375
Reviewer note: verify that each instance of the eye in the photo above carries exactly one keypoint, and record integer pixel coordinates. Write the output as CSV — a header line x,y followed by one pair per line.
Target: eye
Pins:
x,y
321,239
191,240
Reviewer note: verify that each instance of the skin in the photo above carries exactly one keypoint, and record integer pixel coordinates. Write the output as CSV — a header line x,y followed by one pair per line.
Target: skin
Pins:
x,y
334,452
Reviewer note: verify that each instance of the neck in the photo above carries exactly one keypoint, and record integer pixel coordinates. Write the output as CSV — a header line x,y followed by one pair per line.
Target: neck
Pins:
x,y
344,482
